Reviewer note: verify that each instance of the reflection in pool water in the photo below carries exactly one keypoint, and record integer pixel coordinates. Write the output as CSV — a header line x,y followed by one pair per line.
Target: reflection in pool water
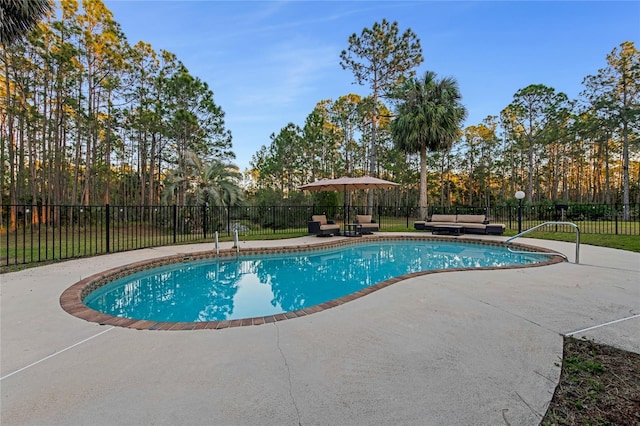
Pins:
x,y
252,286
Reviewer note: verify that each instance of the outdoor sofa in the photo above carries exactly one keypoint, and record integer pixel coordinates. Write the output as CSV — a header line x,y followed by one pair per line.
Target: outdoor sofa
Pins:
x,y
322,227
470,223
368,225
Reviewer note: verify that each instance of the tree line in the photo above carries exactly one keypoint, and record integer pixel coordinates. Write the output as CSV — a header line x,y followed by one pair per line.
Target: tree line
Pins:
x,y
583,150
87,118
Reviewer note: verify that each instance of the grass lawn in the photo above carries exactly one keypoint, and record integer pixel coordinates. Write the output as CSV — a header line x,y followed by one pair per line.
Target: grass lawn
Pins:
x,y
622,242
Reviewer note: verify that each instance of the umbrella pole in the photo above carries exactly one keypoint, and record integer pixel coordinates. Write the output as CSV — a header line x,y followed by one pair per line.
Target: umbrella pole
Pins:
x,y
346,204
345,212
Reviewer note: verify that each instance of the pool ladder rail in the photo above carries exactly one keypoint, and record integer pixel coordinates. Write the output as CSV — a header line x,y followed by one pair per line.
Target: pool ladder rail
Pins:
x,y
236,243
573,225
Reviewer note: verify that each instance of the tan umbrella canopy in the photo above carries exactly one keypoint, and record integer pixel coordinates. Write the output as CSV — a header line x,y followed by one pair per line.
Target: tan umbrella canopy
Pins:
x,y
348,183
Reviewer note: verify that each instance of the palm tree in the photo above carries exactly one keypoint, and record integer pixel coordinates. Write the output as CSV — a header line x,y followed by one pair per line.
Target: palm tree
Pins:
x,y
214,183
18,17
217,184
429,117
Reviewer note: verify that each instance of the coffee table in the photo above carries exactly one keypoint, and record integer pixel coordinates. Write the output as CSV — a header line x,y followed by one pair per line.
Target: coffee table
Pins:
x,y
495,229
352,230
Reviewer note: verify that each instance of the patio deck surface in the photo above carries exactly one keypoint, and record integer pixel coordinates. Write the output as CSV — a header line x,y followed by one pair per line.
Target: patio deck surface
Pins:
x,y
466,347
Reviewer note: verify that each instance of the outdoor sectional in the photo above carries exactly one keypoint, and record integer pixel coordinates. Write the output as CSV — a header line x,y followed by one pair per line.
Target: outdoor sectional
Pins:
x,y
469,223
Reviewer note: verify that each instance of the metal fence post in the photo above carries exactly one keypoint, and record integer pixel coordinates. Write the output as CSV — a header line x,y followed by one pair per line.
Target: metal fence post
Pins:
x,y
510,210
204,220
175,223
107,222
408,216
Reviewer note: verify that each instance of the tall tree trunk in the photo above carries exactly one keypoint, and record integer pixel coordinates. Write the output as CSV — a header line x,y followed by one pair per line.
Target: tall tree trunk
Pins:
x,y
142,168
530,169
626,212
372,152
10,141
78,154
152,182
87,162
107,155
607,173
424,204
21,184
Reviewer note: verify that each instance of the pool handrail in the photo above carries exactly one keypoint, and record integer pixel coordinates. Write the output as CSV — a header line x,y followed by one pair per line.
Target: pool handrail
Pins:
x,y
577,260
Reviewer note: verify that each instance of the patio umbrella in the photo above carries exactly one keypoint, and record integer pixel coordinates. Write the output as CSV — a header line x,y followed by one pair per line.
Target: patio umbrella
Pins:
x,y
348,183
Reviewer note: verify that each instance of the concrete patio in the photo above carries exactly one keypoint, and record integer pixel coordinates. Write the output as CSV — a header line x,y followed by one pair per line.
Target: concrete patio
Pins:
x,y
454,348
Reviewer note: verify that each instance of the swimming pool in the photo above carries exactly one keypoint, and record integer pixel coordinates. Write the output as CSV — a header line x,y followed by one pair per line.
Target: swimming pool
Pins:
x,y
223,289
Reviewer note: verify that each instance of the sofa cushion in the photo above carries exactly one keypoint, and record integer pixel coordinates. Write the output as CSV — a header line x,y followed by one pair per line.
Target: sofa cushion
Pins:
x,y
470,218
470,225
319,218
329,227
450,218
370,225
363,218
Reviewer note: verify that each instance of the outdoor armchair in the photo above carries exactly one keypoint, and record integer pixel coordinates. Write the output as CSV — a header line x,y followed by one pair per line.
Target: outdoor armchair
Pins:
x,y
320,226
368,224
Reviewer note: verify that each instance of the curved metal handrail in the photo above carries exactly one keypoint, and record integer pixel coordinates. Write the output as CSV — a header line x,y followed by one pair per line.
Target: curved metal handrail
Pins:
x,y
506,243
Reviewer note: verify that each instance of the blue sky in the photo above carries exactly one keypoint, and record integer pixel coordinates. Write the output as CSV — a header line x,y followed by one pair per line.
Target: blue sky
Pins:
x,y
269,63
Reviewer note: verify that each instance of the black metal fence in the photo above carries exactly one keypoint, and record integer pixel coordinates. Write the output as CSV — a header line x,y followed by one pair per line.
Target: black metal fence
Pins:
x,y
45,233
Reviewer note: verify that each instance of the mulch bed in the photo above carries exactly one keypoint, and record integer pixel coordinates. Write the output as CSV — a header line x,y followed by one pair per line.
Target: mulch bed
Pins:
x,y
599,385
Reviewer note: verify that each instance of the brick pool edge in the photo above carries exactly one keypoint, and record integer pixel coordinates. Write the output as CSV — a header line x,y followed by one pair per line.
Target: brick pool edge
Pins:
x,y
71,300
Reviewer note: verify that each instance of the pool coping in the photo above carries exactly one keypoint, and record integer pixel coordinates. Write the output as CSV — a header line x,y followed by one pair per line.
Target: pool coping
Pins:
x,y
71,300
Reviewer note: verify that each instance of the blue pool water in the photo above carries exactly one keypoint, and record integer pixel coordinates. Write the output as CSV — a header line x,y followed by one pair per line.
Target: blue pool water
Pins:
x,y
252,286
